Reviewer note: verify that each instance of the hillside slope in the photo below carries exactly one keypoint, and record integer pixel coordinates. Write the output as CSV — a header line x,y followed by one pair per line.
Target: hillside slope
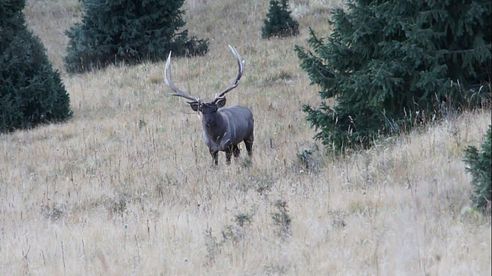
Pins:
x,y
127,187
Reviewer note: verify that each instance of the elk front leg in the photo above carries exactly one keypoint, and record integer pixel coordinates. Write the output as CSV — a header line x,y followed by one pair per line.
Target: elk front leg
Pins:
x,y
215,156
236,151
228,153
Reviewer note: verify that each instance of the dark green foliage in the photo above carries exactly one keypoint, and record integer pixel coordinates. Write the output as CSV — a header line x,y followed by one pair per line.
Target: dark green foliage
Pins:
x,y
129,31
480,166
31,92
279,21
390,65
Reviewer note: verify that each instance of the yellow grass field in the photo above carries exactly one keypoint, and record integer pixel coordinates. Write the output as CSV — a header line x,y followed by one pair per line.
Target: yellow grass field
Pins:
x,y
126,186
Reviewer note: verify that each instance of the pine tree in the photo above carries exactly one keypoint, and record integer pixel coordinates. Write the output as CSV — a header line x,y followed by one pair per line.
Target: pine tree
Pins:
x,y
392,64
480,166
129,31
31,92
279,21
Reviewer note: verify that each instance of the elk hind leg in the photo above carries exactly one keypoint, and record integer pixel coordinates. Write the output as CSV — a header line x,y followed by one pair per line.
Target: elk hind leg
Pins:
x,y
236,151
215,156
249,145
228,153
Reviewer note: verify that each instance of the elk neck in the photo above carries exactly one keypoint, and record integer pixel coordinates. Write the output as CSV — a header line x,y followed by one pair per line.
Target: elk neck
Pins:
x,y
214,125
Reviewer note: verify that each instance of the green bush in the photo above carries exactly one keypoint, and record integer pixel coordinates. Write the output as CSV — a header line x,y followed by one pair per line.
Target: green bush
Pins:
x,y
390,65
479,165
129,31
279,21
31,92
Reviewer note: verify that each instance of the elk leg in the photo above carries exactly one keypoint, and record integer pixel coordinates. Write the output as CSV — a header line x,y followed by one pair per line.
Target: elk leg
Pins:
x,y
228,155
236,151
249,146
228,158
215,156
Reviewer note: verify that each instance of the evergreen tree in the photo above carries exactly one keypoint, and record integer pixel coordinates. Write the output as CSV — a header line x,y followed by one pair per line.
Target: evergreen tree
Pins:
x,y
480,167
129,31
31,92
391,64
279,22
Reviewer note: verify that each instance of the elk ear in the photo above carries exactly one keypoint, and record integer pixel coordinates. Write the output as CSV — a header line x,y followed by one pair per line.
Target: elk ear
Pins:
x,y
194,105
220,102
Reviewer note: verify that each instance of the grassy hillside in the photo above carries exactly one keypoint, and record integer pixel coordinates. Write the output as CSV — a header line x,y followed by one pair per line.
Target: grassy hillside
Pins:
x,y
127,186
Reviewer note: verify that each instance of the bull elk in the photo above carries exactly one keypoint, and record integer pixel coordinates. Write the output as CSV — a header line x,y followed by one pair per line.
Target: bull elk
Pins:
x,y
223,127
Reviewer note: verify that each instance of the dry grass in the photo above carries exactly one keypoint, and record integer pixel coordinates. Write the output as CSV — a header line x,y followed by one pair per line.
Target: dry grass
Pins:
x,y
126,186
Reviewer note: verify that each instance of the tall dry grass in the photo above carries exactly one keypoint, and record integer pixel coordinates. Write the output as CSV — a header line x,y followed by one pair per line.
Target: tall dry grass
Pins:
x,y
127,186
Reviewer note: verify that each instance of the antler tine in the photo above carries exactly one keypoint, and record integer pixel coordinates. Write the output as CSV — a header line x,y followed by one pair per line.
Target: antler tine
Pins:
x,y
240,66
169,82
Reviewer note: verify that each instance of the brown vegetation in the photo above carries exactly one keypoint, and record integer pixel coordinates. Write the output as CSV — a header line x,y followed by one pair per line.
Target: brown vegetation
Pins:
x,y
126,186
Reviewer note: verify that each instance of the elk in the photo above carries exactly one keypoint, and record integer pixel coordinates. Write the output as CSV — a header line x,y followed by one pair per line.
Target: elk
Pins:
x,y
223,127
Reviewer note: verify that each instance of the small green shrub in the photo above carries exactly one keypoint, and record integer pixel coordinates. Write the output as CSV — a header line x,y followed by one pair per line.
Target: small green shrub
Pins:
x,y
279,22
232,233
129,31
309,159
282,220
479,166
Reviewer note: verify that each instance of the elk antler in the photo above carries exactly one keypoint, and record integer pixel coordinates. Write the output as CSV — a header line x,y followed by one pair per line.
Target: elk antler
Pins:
x,y
169,82
235,82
